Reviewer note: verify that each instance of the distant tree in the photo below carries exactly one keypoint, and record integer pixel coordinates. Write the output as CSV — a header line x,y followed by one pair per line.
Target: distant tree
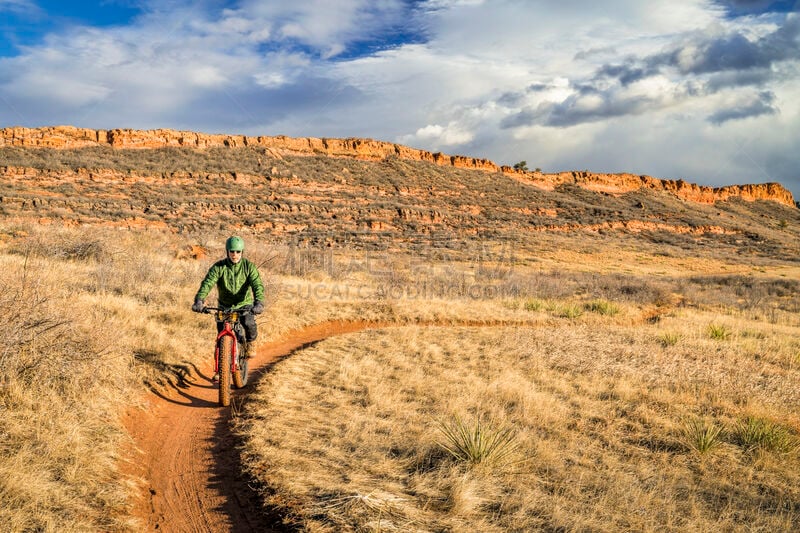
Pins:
x,y
522,165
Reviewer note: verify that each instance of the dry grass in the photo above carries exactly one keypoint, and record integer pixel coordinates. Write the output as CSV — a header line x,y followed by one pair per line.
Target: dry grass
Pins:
x,y
626,411
61,389
590,363
598,417
89,316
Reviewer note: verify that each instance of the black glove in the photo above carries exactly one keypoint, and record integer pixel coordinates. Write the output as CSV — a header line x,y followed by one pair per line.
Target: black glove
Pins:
x,y
198,306
258,308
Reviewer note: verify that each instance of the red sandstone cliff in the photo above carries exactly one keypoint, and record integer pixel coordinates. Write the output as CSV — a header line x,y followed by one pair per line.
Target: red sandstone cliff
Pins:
x,y
622,183
63,137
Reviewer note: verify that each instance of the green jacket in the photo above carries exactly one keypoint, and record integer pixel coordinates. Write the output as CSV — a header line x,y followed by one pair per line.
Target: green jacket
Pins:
x,y
234,283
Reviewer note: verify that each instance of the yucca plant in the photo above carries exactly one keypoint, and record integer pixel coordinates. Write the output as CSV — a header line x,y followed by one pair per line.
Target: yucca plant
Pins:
x,y
478,443
718,332
755,434
602,307
570,311
668,339
701,436
533,304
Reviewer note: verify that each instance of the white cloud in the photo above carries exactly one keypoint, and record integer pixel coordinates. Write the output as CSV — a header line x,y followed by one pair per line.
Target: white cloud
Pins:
x,y
328,27
204,76
447,4
438,136
270,80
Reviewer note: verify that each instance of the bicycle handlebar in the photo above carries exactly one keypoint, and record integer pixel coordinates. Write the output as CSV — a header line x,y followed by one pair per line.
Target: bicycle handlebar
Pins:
x,y
209,310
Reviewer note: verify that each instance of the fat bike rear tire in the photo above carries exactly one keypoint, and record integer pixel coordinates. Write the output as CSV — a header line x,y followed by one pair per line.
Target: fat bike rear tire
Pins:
x,y
225,354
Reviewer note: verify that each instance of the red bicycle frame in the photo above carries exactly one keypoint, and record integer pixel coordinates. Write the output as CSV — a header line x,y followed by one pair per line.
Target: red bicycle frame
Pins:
x,y
227,330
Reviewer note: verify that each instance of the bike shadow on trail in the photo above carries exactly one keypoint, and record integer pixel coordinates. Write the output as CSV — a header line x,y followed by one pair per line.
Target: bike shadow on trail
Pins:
x,y
180,378
244,495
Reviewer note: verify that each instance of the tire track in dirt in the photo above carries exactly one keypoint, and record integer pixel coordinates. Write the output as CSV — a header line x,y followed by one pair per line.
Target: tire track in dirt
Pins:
x,y
187,457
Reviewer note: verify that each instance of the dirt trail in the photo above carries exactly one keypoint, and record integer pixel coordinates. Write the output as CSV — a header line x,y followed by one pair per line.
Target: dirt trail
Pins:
x,y
187,456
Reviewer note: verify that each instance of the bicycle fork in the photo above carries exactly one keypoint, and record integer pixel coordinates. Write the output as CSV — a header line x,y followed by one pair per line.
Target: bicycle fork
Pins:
x,y
226,331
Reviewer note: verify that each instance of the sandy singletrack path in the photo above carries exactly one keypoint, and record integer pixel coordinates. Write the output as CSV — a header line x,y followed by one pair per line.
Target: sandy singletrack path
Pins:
x,y
187,457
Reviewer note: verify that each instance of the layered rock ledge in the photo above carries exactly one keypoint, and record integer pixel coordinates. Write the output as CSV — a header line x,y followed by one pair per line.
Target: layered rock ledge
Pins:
x,y
69,137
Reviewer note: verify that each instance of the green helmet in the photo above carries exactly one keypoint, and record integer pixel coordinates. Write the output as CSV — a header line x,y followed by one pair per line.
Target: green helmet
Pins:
x,y
235,244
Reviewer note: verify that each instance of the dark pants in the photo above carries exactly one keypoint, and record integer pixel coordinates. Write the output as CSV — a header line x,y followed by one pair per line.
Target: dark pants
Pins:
x,y
249,323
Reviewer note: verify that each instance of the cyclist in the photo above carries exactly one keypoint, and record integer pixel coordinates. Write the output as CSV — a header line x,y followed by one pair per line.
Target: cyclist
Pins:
x,y
239,286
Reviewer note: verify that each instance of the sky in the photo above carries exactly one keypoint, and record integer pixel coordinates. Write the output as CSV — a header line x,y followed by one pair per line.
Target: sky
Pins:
x,y
702,90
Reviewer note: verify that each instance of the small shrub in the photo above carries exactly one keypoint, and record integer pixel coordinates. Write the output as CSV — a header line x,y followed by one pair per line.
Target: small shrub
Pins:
x,y
668,339
478,443
534,305
754,434
701,436
602,307
570,311
718,332
61,245
511,304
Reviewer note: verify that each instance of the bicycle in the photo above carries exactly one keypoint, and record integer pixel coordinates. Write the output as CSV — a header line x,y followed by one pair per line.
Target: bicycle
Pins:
x,y
230,362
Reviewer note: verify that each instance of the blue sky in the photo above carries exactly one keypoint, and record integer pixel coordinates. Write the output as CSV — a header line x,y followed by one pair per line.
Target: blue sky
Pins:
x,y
703,90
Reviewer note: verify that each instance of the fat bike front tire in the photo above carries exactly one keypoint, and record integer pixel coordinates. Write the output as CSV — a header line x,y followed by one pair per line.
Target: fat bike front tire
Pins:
x,y
225,355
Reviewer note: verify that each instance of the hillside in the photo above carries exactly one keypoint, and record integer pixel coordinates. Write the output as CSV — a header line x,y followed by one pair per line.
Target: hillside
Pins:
x,y
66,137
363,193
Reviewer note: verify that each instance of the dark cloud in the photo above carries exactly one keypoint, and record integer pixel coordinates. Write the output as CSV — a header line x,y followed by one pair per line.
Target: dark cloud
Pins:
x,y
586,106
707,65
527,117
586,89
627,73
702,55
724,80
736,52
517,98
538,87
730,52
511,99
761,104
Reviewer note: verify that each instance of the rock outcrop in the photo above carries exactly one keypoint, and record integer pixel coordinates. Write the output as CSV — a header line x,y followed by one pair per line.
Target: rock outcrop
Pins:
x,y
623,183
66,137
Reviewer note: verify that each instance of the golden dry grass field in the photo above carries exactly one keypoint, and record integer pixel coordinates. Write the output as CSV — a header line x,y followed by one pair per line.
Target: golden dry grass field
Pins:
x,y
576,383
599,395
